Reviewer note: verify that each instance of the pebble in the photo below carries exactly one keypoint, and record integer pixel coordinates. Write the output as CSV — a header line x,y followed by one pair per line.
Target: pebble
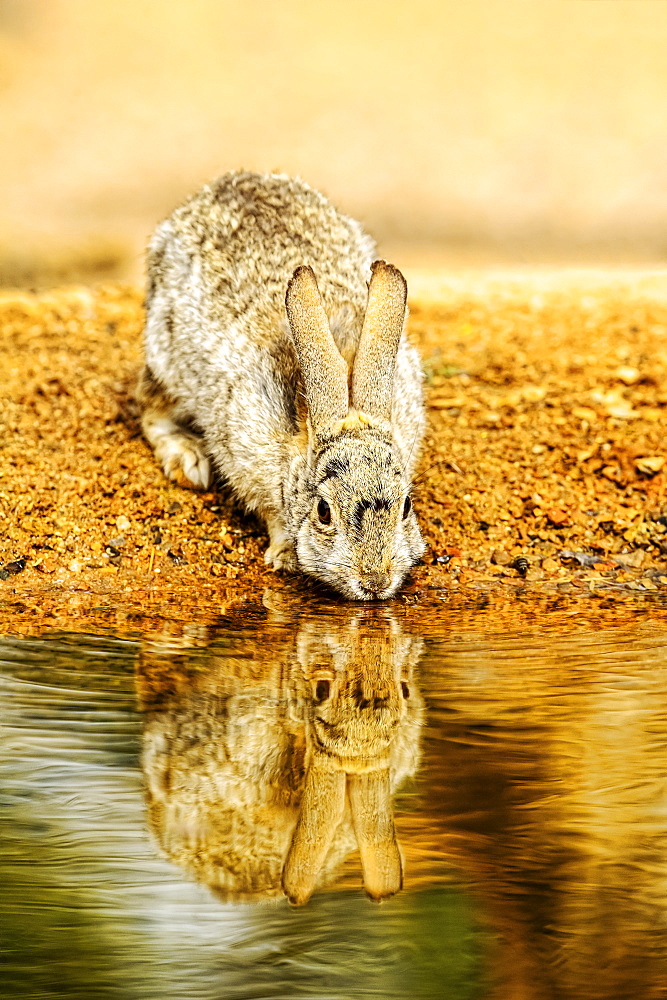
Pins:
x,y
627,375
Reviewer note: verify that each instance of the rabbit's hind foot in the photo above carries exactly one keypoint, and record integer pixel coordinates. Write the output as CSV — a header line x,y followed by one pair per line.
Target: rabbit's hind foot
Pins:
x,y
181,455
179,450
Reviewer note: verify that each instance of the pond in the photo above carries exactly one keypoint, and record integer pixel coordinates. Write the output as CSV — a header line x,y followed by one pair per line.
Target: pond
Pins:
x,y
504,793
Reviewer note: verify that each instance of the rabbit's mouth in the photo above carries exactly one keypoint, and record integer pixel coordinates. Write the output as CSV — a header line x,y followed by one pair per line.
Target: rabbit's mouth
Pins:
x,y
374,595
377,590
356,740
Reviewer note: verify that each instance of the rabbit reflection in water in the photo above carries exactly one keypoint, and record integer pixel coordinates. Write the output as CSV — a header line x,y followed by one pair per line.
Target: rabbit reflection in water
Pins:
x,y
271,360
263,772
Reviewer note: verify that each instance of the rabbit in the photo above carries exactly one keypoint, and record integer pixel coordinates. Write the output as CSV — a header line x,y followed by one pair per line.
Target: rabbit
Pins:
x,y
269,758
276,357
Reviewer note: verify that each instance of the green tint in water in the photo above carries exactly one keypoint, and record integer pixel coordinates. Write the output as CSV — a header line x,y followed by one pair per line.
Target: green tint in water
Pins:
x,y
152,790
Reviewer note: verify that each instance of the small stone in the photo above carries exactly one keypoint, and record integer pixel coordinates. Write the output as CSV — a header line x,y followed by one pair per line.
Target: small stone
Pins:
x,y
500,557
534,393
123,523
584,413
612,473
516,507
650,464
627,375
557,516
176,557
633,559
47,564
619,408
15,567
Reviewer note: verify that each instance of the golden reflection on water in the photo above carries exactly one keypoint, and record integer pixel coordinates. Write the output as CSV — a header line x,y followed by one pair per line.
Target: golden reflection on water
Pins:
x,y
542,790
522,773
548,791
268,762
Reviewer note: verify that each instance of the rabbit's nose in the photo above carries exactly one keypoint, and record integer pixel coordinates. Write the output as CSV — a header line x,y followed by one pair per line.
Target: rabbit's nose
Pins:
x,y
367,696
376,581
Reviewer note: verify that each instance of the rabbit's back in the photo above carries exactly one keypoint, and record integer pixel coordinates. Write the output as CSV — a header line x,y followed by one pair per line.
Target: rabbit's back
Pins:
x,y
216,335
228,252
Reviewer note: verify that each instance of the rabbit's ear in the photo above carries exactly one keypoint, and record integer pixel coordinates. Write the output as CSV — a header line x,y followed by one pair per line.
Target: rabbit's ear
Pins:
x,y
322,808
373,819
373,372
324,370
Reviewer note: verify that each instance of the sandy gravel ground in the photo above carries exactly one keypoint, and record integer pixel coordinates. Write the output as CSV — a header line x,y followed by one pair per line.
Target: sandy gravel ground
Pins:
x,y
542,481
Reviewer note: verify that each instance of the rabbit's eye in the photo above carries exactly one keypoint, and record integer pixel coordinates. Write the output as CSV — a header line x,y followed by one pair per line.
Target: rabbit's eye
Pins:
x,y
321,691
405,690
407,507
324,512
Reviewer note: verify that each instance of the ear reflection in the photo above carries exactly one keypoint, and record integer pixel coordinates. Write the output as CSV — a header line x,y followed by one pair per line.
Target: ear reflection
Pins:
x,y
270,753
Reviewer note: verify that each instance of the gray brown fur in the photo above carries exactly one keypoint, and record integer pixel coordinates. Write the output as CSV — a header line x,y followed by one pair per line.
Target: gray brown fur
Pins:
x,y
224,388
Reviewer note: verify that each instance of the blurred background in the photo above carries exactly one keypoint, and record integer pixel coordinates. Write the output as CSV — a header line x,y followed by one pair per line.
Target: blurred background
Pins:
x,y
461,132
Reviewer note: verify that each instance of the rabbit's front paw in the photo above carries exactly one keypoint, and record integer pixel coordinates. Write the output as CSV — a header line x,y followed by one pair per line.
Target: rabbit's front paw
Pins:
x,y
184,460
280,553
281,556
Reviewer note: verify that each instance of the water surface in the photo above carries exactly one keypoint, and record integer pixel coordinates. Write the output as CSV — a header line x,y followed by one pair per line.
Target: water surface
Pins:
x,y
151,790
